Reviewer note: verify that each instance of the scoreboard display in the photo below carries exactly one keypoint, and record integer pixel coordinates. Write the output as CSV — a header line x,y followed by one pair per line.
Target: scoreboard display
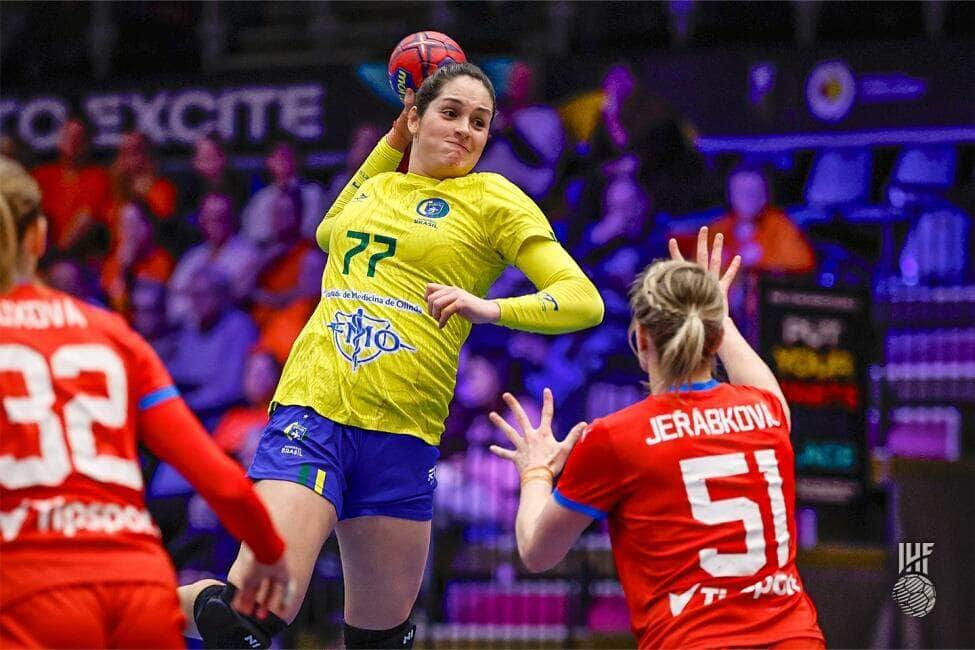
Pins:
x,y
818,342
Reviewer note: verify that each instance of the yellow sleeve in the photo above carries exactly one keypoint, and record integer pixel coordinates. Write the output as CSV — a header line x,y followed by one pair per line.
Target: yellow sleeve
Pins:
x,y
510,216
382,159
566,300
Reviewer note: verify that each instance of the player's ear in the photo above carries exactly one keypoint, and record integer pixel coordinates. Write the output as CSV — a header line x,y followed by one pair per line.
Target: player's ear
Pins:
x,y
413,121
644,345
35,239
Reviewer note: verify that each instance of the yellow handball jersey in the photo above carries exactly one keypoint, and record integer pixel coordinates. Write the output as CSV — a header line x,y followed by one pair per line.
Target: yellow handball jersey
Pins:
x,y
371,356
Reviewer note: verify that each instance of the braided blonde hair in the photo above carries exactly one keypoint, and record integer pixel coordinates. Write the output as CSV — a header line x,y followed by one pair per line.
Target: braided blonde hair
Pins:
x,y
682,309
20,198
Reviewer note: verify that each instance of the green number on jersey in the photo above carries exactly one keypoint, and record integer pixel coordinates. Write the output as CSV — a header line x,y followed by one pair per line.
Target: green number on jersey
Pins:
x,y
363,239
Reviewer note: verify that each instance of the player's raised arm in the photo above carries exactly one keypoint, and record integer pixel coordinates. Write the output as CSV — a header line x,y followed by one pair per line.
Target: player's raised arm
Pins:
x,y
742,363
544,529
385,157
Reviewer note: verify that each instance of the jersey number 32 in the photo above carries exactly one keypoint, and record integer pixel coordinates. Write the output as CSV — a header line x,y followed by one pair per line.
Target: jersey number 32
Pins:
x,y
53,465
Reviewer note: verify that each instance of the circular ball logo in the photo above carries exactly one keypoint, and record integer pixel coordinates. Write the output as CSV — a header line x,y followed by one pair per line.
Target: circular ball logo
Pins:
x,y
433,208
914,594
830,91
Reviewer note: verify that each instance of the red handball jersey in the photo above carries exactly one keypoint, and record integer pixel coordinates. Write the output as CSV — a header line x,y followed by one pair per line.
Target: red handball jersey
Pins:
x,y
699,489
78,390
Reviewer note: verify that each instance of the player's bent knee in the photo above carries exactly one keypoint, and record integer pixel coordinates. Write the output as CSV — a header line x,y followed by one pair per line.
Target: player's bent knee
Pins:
x,y
400,636
222,626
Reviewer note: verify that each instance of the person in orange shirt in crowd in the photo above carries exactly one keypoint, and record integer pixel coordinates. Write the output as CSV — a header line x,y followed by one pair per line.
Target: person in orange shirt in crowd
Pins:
x,y
761,233
76,195
284,325
134,176
293,266
136,255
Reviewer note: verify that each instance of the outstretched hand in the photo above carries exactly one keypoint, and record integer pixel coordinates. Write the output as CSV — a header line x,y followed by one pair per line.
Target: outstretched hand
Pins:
x,y
535,446
710,263
263,588
399,135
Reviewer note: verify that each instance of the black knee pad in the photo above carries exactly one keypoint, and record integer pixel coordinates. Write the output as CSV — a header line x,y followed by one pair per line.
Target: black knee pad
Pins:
x,y
400,636
222,626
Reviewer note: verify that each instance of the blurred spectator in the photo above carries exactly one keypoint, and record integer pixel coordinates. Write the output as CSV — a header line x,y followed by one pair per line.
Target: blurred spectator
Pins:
x,y
528,138
282,165
211,175
293,265
239,430
937,248
222,248
364,138
631,122
618,86
478,383
625,213
582,115
70,276
76,196
134,176
761,233
211,351
136,254
148,316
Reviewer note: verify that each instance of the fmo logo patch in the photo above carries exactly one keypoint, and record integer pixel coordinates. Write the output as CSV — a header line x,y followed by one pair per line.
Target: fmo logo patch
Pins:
x,y
433,208
914,591
362,338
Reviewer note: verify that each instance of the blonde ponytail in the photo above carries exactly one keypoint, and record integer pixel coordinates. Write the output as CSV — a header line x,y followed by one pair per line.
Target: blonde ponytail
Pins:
x,y
682,309
20,199
8,245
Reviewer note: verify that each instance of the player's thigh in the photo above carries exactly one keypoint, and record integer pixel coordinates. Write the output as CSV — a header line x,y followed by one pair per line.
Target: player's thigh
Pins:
x,y
144,615
383,559
304,520
61,617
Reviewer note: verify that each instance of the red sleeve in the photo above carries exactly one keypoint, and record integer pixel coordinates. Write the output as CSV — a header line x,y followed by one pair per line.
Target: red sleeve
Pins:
x,y
174,434
149,380
171,431
590,483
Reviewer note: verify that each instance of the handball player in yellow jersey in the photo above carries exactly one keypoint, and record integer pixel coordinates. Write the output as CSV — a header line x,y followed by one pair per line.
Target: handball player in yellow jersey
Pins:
x,y
352,439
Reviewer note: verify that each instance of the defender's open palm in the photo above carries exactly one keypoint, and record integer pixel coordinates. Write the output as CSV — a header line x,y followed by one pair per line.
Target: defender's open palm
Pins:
x,y
535,446
712,262
263,588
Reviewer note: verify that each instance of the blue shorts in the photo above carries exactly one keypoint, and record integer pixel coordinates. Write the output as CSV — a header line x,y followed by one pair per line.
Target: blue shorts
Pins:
x,y
361,472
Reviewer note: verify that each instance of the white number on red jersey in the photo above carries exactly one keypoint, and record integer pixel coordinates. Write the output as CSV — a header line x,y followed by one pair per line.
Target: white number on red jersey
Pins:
x,y
52,466
696,471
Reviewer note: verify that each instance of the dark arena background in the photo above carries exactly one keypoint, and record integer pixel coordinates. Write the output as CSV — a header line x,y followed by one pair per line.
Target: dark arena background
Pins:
x,y
628,123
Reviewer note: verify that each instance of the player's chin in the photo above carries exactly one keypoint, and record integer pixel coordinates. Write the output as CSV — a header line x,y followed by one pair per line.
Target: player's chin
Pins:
x,y
456,168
